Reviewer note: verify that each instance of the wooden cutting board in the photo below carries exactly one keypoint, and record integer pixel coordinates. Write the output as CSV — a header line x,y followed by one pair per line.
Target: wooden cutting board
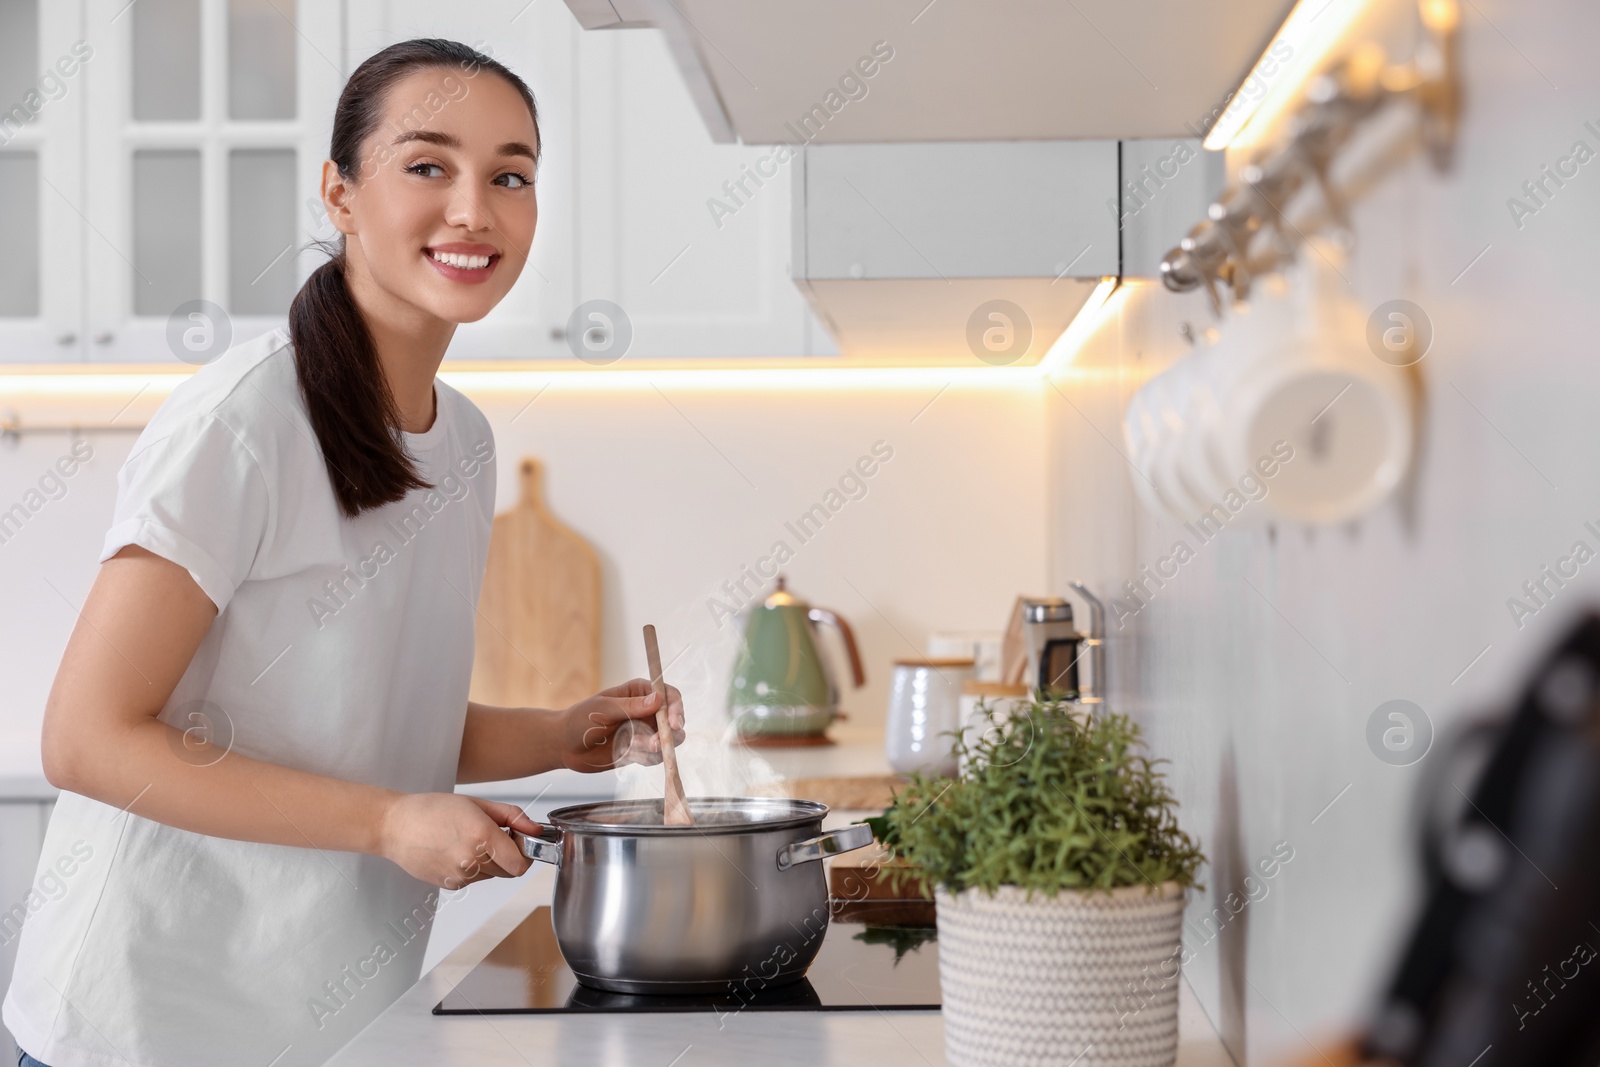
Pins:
x,y
538,631
857,793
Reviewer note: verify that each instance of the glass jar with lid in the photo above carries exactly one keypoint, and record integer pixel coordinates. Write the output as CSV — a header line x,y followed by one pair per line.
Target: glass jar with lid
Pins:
x,y
1052,642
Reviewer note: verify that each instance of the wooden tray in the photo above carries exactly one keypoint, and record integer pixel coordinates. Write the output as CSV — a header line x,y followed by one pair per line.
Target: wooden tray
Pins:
x,y
854,793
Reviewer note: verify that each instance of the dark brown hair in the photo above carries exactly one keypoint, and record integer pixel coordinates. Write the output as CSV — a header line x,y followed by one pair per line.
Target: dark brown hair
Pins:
x,y
352,409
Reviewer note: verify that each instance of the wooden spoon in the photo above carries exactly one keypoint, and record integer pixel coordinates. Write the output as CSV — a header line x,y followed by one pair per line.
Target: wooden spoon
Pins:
x,y
675,809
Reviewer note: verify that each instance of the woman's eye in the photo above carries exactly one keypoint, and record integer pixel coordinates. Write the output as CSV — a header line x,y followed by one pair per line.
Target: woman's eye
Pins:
x,y
515,180
423,166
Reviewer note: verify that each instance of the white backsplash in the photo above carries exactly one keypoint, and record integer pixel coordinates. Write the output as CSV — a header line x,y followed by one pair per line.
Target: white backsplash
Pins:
x,y
679,491
1256,668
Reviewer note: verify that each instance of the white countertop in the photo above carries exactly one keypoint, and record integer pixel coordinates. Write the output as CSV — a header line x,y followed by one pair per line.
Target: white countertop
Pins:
x,y
859,751
22,768
408,1032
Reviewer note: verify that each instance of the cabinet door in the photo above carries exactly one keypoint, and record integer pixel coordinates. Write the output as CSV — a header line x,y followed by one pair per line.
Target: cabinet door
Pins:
x,y
43,69
689,237
535,40
207,122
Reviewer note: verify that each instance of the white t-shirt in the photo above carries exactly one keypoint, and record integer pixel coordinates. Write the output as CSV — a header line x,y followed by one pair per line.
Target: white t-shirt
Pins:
x,y
342,647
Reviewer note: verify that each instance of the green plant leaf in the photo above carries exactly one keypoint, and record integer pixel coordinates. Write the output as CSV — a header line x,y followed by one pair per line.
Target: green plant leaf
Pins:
x,y
1049,799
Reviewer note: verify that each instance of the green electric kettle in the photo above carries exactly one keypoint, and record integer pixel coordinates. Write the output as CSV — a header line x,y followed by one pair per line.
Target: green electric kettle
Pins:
x,y
783,690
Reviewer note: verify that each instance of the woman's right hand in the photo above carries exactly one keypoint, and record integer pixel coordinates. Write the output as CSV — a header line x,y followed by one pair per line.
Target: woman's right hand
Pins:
x,y
451,840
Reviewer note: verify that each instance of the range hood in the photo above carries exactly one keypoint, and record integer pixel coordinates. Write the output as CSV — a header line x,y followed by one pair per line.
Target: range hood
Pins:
x,y
953,252
965,174
958,251
961,70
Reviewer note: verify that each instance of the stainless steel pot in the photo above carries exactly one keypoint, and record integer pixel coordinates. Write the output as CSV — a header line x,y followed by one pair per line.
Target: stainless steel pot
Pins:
x,y
641,907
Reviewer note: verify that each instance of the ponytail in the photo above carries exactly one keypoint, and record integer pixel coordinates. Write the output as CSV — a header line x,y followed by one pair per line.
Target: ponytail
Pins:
x,y
352,409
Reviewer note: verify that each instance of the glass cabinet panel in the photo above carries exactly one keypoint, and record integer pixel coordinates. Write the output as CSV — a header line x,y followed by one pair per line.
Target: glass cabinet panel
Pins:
x,y
166,60
166,229
19,234
19,52
261,55
261,231
42,228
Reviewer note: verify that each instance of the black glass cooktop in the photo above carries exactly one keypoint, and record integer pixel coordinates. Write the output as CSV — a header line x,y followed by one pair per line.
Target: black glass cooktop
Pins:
x,y
876,955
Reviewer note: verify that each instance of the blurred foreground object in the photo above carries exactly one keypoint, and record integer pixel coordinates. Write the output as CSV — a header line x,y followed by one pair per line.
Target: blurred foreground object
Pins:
x,y
1500,967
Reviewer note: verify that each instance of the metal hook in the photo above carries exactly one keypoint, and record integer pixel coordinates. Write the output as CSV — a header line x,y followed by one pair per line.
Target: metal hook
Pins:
x,y
1221,246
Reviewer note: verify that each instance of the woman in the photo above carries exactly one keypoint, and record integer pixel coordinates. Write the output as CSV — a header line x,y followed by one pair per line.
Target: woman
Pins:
x,y
260,717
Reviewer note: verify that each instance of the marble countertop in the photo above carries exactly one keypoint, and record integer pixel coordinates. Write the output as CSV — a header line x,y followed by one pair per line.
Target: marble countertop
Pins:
x,y
408,1032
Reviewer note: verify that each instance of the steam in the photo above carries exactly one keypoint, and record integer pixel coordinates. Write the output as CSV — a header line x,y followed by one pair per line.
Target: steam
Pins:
x,y
698,656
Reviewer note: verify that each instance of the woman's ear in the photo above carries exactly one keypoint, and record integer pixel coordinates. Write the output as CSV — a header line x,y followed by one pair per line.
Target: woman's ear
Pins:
x,y
336,195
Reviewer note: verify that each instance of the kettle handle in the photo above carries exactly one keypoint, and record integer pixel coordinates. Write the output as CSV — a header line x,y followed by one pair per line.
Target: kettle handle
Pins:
x,y
824,615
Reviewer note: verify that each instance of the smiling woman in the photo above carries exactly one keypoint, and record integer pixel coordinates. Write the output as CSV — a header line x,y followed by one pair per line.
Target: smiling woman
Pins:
x,y
393,258
245,854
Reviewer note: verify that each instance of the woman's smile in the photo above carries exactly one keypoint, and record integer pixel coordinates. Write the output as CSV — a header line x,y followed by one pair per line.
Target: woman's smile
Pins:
x,y
456,189
463,262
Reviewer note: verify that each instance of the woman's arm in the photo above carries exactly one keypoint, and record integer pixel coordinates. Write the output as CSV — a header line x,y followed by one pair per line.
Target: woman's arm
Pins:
x,y
613,727
138,630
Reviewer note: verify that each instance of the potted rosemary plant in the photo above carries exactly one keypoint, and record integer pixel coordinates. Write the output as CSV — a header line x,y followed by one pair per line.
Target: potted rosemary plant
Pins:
x,y
1059,872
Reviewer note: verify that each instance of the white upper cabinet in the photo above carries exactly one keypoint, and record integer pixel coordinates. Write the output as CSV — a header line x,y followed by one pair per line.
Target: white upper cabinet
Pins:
x,y
626,185
160,173
689,237
205,122
536,41
44,64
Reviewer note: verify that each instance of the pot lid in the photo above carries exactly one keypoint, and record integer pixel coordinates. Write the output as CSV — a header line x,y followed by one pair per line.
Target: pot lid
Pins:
x,y
712,815
1047,609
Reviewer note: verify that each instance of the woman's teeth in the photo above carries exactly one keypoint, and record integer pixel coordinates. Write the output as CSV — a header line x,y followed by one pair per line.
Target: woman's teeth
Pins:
x,y
463,262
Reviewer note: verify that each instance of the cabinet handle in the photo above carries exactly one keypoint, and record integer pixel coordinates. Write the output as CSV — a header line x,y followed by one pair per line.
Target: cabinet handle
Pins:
x,y
66,339
104,337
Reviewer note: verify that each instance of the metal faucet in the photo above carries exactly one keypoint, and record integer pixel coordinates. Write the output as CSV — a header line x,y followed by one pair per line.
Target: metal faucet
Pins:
x,y
1094,643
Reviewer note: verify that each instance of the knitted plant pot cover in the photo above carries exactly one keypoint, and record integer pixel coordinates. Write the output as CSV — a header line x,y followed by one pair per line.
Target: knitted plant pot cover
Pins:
x,y
1087,978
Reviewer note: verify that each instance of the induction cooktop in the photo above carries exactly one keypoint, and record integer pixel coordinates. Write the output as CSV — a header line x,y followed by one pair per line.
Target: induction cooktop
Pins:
x,y
876,955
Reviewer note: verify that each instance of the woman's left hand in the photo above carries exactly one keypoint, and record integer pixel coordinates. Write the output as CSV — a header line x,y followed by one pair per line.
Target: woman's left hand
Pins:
x,y
617,726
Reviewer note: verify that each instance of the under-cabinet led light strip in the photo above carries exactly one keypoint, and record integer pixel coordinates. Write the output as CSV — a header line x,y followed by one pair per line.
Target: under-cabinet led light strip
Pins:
x,y
1304,40
158,383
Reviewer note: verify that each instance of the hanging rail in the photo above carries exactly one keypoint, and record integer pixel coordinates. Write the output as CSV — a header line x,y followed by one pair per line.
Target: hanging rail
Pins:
x,y
1246,232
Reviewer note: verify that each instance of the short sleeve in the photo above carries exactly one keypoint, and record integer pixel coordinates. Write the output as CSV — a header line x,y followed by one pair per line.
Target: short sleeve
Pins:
x,y
196,496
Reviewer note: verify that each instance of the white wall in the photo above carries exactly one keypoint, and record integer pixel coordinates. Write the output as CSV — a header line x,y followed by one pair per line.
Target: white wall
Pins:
x,y
1261,696
949,530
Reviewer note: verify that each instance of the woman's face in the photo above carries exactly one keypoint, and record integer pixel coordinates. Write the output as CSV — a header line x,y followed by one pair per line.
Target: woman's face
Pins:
x,y
442,210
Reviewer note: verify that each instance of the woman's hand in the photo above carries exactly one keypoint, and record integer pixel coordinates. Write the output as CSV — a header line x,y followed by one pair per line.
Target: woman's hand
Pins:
x,y
617,726
451,840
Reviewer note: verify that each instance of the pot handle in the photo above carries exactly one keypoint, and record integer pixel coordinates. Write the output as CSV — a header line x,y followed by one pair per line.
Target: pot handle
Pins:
x,y
544,847
845,839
